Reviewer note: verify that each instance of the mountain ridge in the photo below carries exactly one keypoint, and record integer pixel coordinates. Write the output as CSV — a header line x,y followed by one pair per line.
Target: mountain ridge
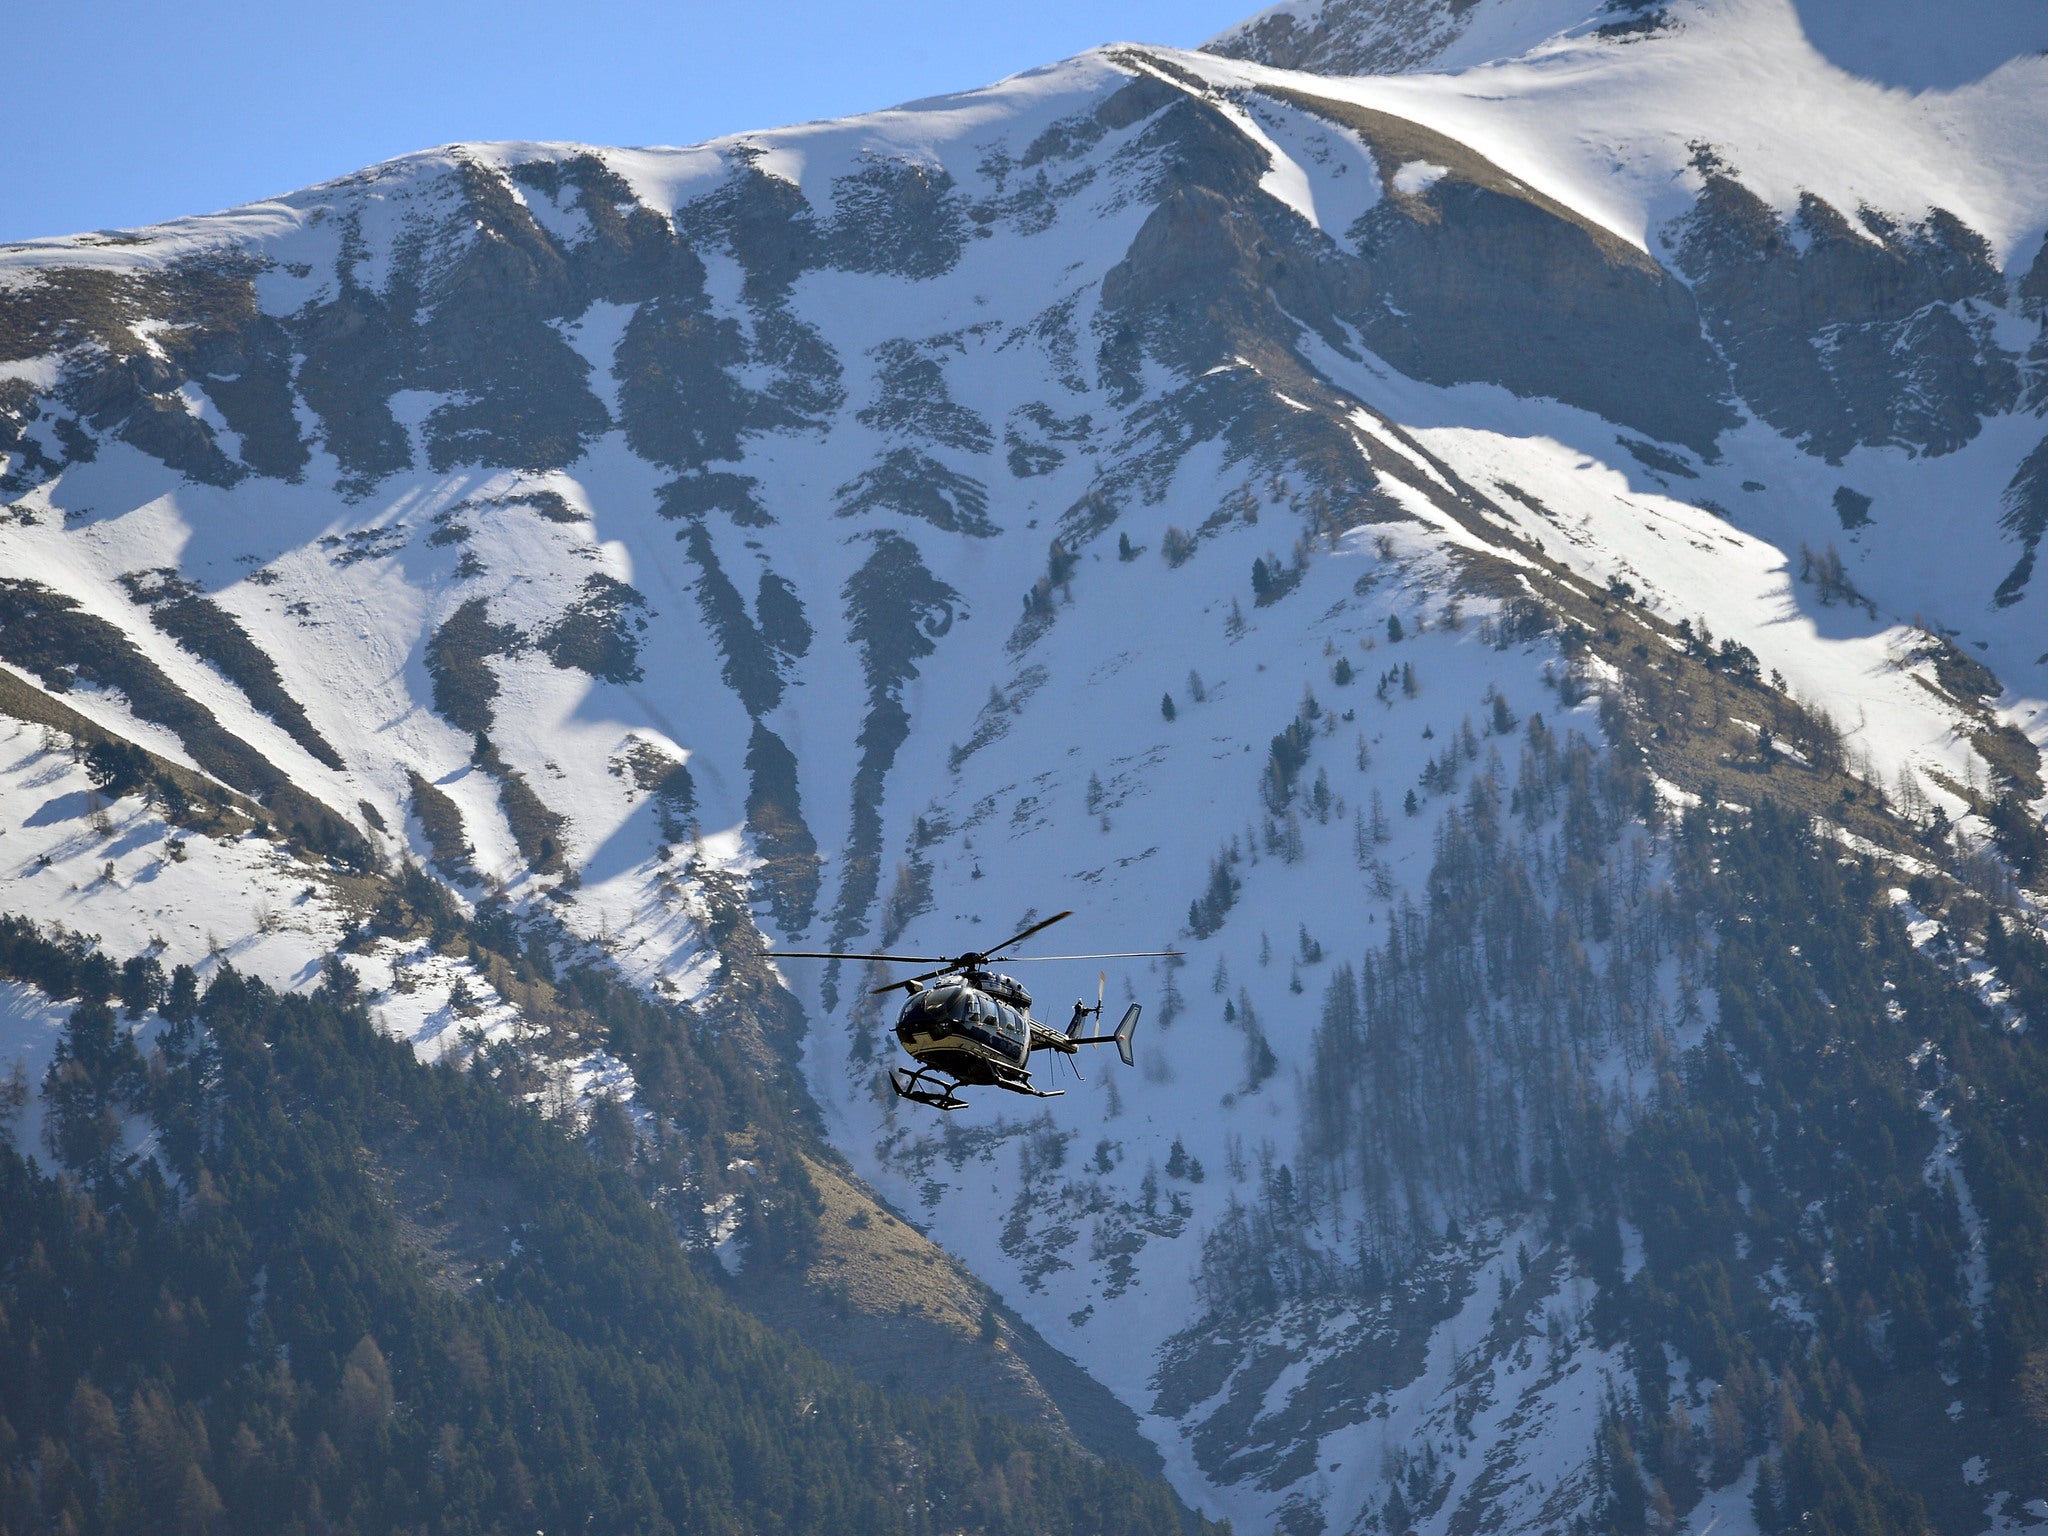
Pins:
x,y
1895,45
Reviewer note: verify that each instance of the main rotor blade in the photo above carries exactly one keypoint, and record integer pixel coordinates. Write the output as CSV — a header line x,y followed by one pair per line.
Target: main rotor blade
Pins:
x,y
909,981
820,954
1019,938
1128,954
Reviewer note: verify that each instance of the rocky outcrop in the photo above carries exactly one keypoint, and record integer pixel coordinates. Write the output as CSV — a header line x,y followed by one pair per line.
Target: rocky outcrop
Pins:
x,y
2026,519
1477,276
895,610
1845,333
1473,277
1349,37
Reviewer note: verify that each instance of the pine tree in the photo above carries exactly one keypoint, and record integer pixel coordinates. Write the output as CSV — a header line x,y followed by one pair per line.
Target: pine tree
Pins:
x,y
1171,1004
1503,718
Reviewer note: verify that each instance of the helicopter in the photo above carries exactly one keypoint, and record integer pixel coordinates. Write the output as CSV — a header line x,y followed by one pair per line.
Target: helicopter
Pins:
x,y
974,1028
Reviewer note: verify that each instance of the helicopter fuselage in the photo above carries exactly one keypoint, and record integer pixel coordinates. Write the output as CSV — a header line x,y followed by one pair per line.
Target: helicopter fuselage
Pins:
x,y
977,1030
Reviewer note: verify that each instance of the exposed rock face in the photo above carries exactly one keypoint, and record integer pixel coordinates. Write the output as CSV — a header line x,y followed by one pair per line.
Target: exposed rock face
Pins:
x,y
1350,37
1477,277
1842,335
208,332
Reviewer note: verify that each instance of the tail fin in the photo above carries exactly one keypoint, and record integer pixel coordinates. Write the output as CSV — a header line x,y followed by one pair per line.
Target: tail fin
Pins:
x,y
1124,1029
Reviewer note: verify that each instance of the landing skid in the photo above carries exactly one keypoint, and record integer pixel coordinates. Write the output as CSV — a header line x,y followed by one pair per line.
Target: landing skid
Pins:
x,y
929,1086
1031,1092
939,1095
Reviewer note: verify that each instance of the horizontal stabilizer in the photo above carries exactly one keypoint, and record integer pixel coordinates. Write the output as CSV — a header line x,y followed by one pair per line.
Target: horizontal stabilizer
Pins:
x,y
1121,1039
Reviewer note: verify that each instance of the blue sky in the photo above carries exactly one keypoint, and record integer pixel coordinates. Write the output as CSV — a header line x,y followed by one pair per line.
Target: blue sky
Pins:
x,y
119,113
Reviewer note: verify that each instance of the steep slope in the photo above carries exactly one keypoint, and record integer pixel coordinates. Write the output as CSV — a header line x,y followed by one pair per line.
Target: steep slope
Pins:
x,y
1332,525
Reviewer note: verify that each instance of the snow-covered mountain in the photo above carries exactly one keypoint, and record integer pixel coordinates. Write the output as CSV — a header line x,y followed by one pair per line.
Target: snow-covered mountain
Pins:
x,y
1260,498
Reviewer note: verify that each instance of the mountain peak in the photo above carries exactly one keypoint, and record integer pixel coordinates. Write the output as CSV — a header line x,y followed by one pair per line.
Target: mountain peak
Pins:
x,y
1393,37
1903,44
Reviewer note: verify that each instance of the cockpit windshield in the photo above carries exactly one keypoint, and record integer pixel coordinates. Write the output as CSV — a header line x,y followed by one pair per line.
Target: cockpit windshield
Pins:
x,y
966,1010
933,1008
